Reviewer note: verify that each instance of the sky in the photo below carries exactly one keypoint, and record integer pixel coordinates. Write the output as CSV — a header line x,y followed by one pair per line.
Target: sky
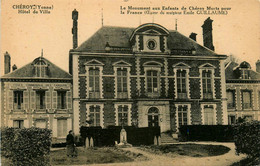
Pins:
x,y
24,35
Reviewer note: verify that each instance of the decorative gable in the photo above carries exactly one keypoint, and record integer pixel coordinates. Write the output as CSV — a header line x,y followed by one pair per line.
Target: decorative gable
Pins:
x,y
94,62
181,65
150,38
122,63
207,65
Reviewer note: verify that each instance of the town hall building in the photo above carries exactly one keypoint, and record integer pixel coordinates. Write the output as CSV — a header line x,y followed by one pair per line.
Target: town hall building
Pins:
x,y
147,76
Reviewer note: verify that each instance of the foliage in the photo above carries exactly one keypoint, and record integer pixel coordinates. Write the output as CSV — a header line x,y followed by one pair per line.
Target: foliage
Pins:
x,y
221,133
108,136
192,150
28,146
247,138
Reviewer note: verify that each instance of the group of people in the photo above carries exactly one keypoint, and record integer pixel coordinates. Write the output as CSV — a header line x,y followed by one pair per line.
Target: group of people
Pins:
x,y
71,145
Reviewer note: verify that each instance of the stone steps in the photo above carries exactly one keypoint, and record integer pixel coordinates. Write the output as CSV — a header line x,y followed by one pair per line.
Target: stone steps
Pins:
x,y
166,139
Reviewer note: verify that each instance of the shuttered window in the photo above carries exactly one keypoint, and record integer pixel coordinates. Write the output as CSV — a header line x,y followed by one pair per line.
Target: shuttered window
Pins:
x,y
41,123
40,100
18,99
61,103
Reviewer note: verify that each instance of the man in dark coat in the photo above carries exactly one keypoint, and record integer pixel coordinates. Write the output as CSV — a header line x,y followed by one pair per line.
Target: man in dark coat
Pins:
x,y
70,144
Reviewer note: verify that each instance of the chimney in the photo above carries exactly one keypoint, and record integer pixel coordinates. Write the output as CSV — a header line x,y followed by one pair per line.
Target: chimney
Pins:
x,y
7,60
14,67
207,34
193,36
75,28
258,66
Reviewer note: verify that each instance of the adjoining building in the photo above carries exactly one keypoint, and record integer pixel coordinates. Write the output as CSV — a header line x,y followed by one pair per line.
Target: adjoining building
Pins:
x,y
243,91
38,94
147,76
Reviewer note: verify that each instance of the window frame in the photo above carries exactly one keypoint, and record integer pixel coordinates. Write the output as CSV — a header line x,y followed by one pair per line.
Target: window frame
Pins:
x,y
19,125
99,65
88,106
188,114
122,65
214,106
234,98
129,106
242,99
59,100
207,67
18,95
43,99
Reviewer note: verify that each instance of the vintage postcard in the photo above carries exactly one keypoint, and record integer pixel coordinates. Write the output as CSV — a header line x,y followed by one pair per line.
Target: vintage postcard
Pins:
x,y
95,75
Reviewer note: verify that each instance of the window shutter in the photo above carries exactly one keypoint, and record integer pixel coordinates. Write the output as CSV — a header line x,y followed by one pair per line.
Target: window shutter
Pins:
x,y
69,99
26,99
10,100
48,100
54,99
33,99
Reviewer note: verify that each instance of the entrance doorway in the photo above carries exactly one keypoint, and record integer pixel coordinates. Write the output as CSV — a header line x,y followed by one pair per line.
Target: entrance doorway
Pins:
x,y
153,117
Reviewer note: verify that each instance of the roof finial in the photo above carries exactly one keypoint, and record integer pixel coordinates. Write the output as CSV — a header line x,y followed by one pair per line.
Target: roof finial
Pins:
x,y
42,53
102,20
176,24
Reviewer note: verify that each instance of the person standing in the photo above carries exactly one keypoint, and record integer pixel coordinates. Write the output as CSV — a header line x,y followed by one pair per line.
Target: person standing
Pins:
x,y
70,144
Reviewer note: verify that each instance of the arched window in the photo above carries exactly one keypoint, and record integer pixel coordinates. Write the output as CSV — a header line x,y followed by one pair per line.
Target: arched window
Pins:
x,y
153,117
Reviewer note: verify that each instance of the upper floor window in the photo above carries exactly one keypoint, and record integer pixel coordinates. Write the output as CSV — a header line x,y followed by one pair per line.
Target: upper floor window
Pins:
x,y
207,84
246,99
152,81
152,78
122,79
231,99
181,84
40,99
207,81
18,99
94,70
94,83
61,103
181,71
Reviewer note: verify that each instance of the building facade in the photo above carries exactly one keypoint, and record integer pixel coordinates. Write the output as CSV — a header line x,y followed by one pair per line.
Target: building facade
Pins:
x,y
243,92
147,76
37,95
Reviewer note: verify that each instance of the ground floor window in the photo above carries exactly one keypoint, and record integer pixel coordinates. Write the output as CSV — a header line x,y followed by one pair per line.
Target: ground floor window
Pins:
x,y
62,127
231,119
209,115
248,118
18,123
41,123
94,115
122,115
182,115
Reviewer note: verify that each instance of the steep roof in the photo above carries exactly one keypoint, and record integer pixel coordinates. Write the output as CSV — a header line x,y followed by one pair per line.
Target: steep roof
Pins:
x,y
28,71
120,37
232,67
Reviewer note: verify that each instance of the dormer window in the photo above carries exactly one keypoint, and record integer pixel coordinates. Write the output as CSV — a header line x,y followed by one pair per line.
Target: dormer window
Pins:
x,y
244,74
243,70
40,68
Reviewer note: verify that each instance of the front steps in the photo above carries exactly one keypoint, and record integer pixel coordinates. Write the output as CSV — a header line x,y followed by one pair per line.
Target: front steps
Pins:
x,y
167,139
